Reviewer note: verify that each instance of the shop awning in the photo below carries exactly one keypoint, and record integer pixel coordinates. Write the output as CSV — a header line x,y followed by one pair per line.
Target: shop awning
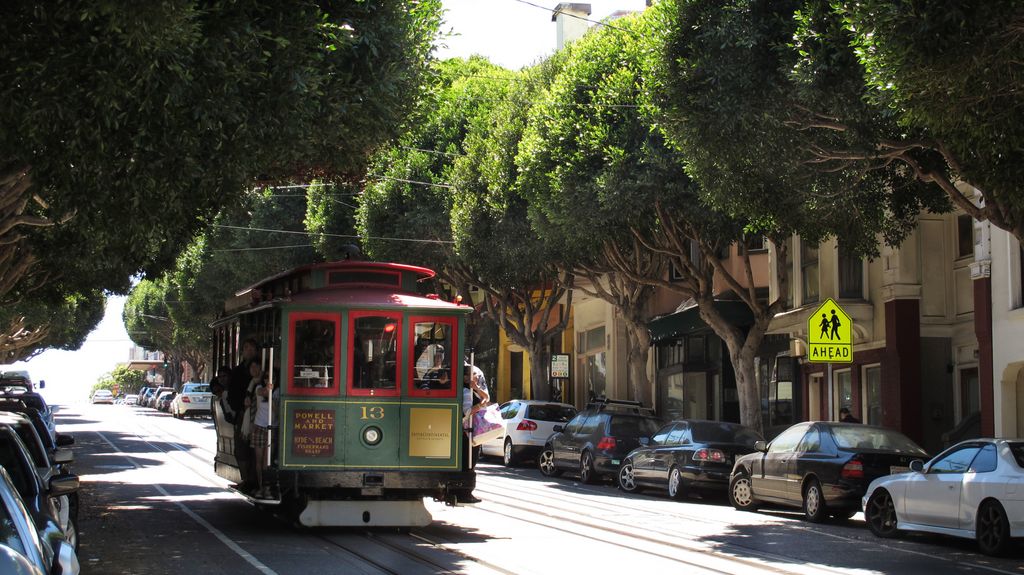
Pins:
x,y
687,319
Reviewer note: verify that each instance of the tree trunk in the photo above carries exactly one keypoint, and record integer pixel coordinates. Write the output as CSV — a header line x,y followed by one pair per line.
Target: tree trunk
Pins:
x,y
539,386
638,341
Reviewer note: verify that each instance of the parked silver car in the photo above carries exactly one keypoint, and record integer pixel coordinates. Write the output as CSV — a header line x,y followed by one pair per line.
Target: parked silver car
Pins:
x,y
528,424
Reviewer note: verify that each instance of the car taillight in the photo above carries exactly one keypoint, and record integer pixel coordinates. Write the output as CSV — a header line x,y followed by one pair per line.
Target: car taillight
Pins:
x,y
526,425
606,443
705,454
854,469
185,399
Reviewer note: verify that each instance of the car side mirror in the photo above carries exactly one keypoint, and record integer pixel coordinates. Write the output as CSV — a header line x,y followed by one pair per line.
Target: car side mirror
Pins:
x,y
64,440
645,441
761,445
917,465
63,455
557,429
63,484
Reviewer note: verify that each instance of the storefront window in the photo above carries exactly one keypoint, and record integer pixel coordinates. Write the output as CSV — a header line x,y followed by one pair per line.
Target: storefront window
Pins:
x,y
686,395
843,391
873,395
593,367
376,347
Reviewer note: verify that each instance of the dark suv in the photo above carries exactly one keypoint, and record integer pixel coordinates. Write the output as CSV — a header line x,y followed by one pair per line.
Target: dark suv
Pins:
x,y
597,439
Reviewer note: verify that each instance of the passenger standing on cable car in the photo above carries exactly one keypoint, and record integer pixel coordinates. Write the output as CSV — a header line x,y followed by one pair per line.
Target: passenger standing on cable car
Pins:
x,y
240,377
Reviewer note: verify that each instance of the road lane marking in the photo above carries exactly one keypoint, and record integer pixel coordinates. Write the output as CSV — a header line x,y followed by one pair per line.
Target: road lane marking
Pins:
x,y
205,524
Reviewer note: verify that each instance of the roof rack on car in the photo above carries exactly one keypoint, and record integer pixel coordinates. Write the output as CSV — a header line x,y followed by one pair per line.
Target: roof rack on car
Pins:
x,y
603,404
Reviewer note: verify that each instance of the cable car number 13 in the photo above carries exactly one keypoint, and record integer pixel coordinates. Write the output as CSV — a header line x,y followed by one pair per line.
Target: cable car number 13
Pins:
x,y
375,412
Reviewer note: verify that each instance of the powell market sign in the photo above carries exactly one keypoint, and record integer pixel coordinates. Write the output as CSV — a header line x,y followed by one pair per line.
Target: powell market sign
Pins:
x,y
829,335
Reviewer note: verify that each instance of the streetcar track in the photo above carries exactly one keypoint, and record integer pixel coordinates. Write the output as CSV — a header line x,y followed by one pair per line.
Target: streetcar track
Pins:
x,y
508,478
369,536
694,548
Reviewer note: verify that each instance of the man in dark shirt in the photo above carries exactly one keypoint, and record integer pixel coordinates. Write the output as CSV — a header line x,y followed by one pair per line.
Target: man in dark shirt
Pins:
x,y
846,417
240,378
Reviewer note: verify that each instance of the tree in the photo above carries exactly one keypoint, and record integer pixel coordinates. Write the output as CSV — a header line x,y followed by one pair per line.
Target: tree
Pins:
x,y
264,236
41,323
527,285
593,170
124,379
134,129
949,72
727,89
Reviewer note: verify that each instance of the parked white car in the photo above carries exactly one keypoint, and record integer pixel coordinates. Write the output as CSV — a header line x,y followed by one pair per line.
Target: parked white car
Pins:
x,y
194,399
103,396
528,424
974,489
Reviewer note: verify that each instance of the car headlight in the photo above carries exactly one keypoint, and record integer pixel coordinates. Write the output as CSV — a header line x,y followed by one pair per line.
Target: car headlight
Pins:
x,y
372,435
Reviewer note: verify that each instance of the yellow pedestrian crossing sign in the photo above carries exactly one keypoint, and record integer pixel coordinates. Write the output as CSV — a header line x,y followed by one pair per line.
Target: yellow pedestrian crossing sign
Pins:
x,y
829,335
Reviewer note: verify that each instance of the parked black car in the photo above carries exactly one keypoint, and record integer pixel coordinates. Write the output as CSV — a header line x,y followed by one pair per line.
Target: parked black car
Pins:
x,y
597,440
38,496
822,467
50,461
687,454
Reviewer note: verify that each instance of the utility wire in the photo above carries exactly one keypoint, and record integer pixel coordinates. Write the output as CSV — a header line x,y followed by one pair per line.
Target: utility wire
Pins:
x,y
448,186
264,248
417,240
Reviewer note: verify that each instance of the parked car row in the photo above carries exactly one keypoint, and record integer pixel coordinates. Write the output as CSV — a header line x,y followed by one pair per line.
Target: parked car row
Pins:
x,y
974,489
38,492
194,399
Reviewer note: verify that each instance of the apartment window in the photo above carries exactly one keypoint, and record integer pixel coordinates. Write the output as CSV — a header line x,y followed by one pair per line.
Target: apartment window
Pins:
x,y
872,386
674,275
592,363
965,236
851,275
809,272
754,243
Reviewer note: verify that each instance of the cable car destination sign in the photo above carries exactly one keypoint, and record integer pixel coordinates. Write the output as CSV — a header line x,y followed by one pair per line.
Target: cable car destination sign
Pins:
x,y
829,334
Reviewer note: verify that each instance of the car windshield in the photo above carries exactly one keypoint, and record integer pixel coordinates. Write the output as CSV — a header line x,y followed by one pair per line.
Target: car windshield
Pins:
x,y
720,432
634,426
550,412
1017,449
865,437
102,392
197,388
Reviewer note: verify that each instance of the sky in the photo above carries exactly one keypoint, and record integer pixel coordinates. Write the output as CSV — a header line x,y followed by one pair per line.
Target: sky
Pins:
x,y
510,33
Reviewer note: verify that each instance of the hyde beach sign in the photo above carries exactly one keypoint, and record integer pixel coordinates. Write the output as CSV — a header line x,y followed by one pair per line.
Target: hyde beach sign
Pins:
x,y
829,334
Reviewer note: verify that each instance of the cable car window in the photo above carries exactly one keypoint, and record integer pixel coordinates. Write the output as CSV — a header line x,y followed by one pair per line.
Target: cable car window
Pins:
x,y
376,347
433,354
314,348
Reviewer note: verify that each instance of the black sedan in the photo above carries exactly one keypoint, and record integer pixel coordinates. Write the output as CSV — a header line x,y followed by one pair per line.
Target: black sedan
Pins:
x,y
822,467
687,454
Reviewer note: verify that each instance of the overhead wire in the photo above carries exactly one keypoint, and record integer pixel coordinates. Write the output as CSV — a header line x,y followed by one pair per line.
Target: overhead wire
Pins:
x,y
556,11
327,235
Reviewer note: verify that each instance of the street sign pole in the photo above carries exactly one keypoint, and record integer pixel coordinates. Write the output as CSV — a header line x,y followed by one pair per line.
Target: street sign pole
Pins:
x,y
831,402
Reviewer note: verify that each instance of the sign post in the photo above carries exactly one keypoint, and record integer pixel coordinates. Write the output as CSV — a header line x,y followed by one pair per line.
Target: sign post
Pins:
x,y
560,372
829,338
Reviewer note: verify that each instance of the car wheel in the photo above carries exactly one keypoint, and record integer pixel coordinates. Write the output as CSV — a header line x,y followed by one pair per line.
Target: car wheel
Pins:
x,y
587,468
676,486
814,502
546,463
741,492
993,529
627,479
508,453
880,514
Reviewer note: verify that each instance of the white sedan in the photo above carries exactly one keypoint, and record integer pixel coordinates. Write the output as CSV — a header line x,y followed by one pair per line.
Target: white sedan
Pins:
x,y
974,489
528,424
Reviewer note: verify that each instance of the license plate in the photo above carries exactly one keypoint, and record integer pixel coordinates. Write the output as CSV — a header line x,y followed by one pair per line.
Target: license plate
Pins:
x,y
894,469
